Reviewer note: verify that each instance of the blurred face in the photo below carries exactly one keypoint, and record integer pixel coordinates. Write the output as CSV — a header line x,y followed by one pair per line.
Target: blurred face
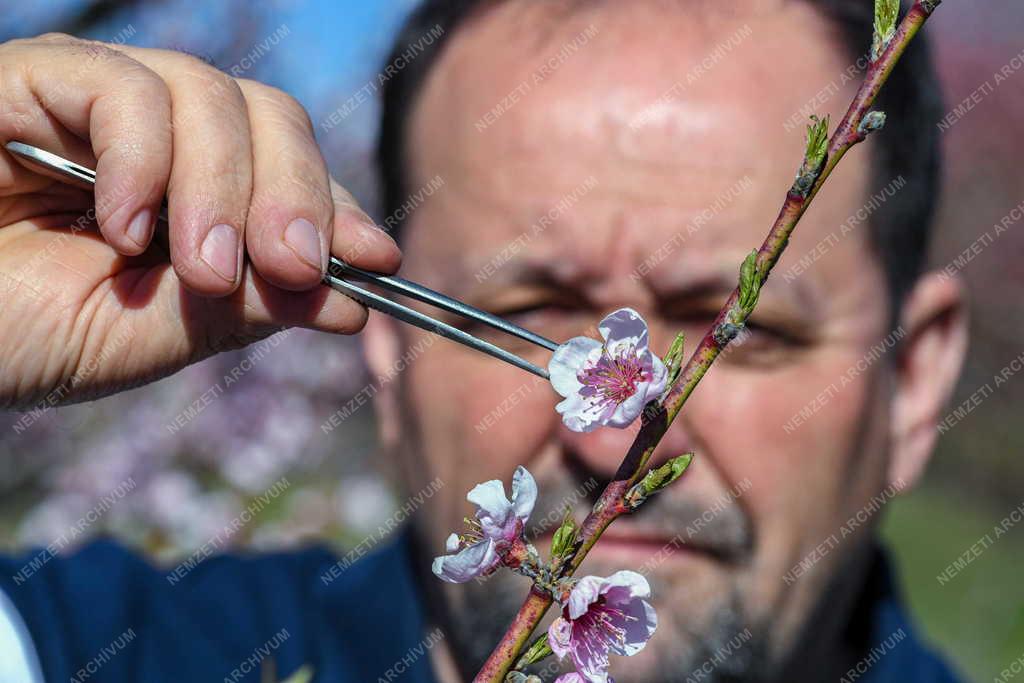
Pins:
x,y
632,174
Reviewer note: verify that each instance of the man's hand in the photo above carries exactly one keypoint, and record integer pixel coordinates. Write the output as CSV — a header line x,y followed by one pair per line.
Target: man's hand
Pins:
x,y
253,217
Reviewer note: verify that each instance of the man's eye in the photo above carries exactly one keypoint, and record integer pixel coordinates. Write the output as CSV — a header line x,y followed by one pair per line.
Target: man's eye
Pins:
x,y
760,345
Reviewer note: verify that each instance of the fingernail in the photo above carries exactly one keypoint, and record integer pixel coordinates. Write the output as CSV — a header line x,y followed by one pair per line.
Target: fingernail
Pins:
x,y
140,228
304,241
220,251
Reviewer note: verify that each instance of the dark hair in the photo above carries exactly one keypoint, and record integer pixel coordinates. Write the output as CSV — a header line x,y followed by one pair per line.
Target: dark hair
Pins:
x,y
907,147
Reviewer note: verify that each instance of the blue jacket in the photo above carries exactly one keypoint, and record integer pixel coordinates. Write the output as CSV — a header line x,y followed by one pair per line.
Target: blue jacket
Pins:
x,y
104,614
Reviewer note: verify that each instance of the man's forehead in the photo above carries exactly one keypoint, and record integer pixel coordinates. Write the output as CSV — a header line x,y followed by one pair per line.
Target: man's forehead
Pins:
x,y
634,78
675,122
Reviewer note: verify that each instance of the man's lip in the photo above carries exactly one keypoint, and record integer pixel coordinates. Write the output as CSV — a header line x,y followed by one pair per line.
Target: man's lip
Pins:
x,y
640,540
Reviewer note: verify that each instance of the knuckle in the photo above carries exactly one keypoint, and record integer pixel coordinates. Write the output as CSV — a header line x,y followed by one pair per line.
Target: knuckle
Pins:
x,y
146,85
95,51
206,89
213,81
88,52
19,109
14,45
304,178
132,88
290,191
185,52
281,105
340,196
52,37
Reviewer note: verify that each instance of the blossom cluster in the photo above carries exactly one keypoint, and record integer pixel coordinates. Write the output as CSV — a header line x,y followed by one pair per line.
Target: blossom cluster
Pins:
x,y
603,383
600,615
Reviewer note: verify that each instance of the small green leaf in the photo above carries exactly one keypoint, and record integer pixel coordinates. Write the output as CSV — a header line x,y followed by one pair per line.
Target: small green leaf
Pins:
x,y
675,352
817,141
674,361
814,156
750,283
657,479
886,13
536,652
565,537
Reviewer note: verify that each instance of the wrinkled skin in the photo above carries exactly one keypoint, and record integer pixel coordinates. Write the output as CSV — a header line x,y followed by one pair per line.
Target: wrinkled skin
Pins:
x,y
775,493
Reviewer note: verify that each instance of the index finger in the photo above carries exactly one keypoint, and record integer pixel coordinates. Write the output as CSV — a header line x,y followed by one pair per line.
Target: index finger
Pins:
x,y
102,95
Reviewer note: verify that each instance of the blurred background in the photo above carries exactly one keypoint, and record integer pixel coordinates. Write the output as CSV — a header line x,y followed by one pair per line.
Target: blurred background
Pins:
x,y
184,467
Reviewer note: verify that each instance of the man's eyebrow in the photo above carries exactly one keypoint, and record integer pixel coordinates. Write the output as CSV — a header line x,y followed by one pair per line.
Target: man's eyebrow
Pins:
x,y
503,271
489,280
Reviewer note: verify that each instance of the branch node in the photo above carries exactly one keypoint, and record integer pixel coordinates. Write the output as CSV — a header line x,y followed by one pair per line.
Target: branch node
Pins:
x,y
872,121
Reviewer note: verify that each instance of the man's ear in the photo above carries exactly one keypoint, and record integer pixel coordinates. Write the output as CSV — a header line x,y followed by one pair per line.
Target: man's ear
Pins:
x,y
382,349
934,320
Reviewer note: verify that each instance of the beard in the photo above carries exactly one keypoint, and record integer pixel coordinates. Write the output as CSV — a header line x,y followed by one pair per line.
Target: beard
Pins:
x,y
705,632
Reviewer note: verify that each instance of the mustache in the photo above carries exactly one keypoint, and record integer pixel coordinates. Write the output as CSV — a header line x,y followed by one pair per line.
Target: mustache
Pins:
x,y
717,525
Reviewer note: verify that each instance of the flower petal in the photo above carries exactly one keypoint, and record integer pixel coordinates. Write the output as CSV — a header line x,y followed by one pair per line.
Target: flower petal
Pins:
x,y
468,563
659,377
580,414
584,594
567,361
624,324
494,511
629,410
591,660
570,678
624,585
559,636
524,493
638,622
452,544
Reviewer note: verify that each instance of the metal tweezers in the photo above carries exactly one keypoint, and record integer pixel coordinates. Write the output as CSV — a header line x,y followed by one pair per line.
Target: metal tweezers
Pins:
x,y
338,275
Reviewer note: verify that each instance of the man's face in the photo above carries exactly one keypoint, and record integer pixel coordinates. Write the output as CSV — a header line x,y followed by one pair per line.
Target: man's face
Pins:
x,y
621,156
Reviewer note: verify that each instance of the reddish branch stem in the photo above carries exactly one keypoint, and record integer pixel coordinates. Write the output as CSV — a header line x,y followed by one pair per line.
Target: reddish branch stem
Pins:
x,y
609,505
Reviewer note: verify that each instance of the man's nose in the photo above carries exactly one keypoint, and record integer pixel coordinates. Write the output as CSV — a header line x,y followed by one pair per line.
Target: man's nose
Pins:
x,y
603,449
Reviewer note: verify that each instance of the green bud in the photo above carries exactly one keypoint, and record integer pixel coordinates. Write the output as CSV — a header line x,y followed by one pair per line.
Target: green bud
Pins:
x,y
817,141
872,121
814,155
750,283
520,677
674,361
657,479
675,352
886,13
565,537
536,652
